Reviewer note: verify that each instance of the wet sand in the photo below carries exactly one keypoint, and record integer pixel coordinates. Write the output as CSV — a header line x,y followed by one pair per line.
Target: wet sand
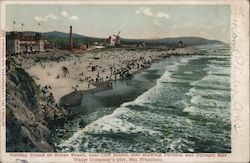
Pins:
x,y
74,98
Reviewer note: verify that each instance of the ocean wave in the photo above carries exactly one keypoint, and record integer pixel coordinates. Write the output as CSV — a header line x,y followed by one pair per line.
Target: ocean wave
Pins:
x,y
217,69
167,117
209,103
188,72
219,62
209,114
215,82
217,94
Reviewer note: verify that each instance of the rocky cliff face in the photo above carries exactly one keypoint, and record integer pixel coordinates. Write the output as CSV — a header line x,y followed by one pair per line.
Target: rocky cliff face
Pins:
x,y
30,116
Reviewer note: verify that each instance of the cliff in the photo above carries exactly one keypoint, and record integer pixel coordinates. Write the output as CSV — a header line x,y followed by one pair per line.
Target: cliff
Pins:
x,y
30,113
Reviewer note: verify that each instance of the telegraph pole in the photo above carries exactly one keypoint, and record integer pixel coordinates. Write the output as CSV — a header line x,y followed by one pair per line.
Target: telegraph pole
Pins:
x,y
14,22
38,26
22,27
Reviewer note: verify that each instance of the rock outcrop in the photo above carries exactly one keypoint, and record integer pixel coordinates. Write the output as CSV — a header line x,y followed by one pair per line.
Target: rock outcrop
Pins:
x,y
30,116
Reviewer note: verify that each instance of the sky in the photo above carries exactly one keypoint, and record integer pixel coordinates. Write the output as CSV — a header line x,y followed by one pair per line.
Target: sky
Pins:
x,y
134,21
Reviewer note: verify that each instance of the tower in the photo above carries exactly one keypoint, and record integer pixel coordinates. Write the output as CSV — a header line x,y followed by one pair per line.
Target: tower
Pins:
x,y
13,43
70,39
39,41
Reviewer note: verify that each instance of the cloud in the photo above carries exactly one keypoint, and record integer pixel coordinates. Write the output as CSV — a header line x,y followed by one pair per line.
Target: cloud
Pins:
x,y
52,17
162,15
157,15
145,11
39,18
45,18
157,22
66,15
139,10
148,12
73,18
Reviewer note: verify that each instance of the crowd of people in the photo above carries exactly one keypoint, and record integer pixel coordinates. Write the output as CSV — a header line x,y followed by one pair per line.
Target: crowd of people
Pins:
x,y
83,71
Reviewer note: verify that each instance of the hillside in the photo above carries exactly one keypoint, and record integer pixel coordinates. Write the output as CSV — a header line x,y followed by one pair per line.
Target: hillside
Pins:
x,y
62,38
172,41
29,114
189,41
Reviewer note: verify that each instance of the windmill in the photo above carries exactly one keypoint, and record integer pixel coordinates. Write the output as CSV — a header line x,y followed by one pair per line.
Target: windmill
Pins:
x,y
114,40
117,38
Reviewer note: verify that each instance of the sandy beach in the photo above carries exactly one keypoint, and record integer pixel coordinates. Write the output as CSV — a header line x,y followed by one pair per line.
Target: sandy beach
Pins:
x,y
83,71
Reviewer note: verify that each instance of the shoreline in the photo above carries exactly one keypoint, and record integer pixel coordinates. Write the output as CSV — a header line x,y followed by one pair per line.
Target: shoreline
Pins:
x,y
137,106
74,98
92,71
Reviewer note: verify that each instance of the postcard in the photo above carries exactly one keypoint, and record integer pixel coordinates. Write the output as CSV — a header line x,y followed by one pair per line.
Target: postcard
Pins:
x,y
124,81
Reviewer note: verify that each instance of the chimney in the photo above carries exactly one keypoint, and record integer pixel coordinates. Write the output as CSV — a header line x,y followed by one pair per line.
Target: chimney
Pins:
x,y
70,39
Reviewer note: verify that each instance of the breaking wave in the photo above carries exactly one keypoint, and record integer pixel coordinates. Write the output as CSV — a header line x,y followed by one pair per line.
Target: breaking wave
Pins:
x,y
188,110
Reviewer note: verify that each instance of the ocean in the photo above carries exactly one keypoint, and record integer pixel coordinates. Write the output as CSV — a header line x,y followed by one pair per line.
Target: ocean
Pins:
x,y
180,104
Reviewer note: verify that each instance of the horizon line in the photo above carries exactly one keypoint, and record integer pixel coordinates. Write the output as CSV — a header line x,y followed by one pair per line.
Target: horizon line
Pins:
x,y
153,38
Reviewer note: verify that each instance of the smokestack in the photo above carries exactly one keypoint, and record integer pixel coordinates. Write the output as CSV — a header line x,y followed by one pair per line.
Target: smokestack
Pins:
x,y
70,39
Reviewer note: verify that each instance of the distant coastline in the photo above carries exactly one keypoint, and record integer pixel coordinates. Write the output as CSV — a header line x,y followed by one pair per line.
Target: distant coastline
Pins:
x,y
62,37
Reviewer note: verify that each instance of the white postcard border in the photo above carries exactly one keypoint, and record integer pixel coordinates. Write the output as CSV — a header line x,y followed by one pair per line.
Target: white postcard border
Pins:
x,y
239,86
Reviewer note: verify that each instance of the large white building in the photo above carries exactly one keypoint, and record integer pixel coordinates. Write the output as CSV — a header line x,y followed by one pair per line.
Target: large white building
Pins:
x,y
18,43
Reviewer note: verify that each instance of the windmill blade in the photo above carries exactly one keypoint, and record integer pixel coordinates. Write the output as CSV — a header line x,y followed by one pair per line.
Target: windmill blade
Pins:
x,y
118,33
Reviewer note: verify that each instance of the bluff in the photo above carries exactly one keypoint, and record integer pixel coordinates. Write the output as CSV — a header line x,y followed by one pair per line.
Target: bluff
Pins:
x,y
30,116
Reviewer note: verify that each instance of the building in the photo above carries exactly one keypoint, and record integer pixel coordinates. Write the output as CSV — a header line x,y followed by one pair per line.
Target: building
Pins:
x,y
49,45
114,40
73,46
141,44
19,43
181,44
